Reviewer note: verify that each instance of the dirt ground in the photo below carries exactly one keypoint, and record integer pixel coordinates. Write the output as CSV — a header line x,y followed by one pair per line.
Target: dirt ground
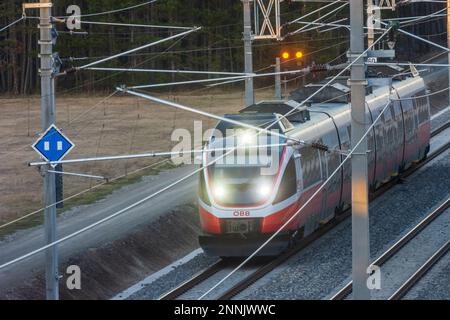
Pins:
x,y
118,125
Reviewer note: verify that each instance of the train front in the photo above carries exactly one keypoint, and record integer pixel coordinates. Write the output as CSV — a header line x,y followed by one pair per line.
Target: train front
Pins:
x,y
247,189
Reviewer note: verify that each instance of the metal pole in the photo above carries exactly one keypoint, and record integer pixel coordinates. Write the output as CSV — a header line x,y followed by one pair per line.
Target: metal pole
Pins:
x,y
47,119
248,55
360,190
278,95
370,23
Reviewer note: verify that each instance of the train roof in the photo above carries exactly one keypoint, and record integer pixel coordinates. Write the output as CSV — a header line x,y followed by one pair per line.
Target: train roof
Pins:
x,y
304,120
284,108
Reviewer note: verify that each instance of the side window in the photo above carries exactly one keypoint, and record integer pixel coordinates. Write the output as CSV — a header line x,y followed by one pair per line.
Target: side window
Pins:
x,y
288,185
310,167
203,194
421,103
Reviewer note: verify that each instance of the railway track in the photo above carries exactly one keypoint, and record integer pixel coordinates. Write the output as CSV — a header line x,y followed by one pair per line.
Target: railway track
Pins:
x,y
415,278
347,289
303,243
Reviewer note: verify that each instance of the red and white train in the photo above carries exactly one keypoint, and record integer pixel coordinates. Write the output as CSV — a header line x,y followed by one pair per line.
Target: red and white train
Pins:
x,y
239,208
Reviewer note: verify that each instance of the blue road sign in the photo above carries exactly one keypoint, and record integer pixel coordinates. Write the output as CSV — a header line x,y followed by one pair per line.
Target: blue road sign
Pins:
x,y
53,145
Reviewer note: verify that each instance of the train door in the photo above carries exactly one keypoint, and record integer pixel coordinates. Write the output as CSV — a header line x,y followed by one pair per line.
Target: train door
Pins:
x,y
421,104
342,123
371,157
398,134
411,148
312,181
390,156
380,147
330,162
298,170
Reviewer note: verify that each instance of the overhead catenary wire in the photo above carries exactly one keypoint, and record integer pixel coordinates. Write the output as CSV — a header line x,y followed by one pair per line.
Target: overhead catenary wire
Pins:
x,y
301,104
215,48
333,24
423,96
424,40
12,24
166,71
408,64
79,194
283,62
133,25
153,154
75,174
207,114
99,80
139,48
318,19
157,85
314,11
111,11
418,38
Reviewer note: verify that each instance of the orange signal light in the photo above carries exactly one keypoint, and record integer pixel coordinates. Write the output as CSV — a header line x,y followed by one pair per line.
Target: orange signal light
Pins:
x,y
299,54
285,55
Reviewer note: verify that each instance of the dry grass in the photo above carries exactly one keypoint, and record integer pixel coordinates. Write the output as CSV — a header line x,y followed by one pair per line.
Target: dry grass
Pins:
x,y
120,125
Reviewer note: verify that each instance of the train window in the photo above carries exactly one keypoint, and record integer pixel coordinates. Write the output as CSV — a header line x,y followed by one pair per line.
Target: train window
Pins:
x,y
241,185
203,194
287,125
288,185
310,167
421,103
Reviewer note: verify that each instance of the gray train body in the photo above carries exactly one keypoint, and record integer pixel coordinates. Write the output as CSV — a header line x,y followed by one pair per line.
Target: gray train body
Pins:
x,y
399,139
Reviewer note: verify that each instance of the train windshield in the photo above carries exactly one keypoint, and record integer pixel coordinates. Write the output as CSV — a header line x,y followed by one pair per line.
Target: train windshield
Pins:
x,y
244,185
244,173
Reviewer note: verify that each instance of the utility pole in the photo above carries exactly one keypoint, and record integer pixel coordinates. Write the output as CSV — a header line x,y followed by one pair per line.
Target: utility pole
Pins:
x,y
373,16
360,190
370,23
47,119
248,55
278,95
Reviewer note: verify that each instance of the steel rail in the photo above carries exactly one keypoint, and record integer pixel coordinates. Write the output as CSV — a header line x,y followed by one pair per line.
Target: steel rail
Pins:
x,y
418,275
197,279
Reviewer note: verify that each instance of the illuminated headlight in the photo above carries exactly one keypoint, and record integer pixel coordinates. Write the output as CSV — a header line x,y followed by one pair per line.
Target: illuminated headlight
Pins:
x,y
219,191
264,189
248,138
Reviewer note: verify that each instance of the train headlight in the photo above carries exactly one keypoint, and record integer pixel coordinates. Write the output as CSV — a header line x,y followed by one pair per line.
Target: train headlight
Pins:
x,y
247,138
264,189
219,191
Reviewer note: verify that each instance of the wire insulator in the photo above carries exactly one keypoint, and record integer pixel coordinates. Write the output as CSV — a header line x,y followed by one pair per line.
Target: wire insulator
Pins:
x,y
320,146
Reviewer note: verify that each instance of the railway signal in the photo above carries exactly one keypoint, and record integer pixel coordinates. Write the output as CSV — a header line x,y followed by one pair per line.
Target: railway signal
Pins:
x,y
287,54
53,145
